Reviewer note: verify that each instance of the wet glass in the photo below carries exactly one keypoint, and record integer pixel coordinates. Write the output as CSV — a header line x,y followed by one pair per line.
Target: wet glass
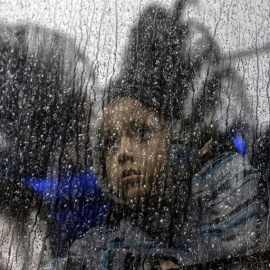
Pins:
x,y
134,134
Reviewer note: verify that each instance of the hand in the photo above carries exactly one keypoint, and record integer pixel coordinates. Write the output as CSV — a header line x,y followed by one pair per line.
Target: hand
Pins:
x,y
165,265
205,148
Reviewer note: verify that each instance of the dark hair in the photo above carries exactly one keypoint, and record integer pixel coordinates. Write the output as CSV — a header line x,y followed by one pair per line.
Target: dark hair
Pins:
x,y
175,67
17,200
43,106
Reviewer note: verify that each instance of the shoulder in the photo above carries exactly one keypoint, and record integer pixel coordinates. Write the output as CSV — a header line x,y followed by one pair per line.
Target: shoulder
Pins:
x,y
226,172
94,238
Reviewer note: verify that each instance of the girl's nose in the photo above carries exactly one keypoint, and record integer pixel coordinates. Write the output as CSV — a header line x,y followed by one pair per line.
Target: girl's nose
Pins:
x,y
125,152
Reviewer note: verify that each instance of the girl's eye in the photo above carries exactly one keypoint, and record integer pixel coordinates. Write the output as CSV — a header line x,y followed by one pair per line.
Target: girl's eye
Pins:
x,y
110,142
144,132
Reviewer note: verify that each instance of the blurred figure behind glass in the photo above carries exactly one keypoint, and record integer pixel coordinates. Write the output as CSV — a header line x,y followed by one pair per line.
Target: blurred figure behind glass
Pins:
x,y
172,204
44,125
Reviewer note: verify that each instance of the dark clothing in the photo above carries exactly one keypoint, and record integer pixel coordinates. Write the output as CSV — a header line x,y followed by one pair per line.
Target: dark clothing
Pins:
x,y
222,221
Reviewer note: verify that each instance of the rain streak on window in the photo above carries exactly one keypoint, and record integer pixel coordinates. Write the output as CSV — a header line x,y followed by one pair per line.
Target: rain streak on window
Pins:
x,y
134,135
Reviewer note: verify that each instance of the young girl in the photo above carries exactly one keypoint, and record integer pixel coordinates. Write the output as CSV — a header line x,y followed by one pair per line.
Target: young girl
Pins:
x,y
160,213
177,197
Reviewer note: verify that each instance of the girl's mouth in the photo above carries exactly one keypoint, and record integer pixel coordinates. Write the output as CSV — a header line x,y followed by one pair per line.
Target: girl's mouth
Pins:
x,y
130,175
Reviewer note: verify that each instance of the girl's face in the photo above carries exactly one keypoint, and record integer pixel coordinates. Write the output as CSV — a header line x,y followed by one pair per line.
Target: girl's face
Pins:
x,y
136,144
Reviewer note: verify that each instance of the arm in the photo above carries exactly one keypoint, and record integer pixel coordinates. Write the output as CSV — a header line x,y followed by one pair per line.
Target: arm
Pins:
x,y
227,191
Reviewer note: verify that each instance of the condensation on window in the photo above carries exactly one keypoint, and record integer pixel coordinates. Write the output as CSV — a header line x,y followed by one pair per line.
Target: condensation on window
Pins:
x,y
134,134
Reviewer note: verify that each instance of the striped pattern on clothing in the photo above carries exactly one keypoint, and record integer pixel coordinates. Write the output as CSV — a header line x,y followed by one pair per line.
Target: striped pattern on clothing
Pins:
x,y
226,192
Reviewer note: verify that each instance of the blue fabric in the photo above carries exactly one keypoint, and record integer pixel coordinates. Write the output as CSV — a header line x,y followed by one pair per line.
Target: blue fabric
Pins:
x,y
239,141
75,200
